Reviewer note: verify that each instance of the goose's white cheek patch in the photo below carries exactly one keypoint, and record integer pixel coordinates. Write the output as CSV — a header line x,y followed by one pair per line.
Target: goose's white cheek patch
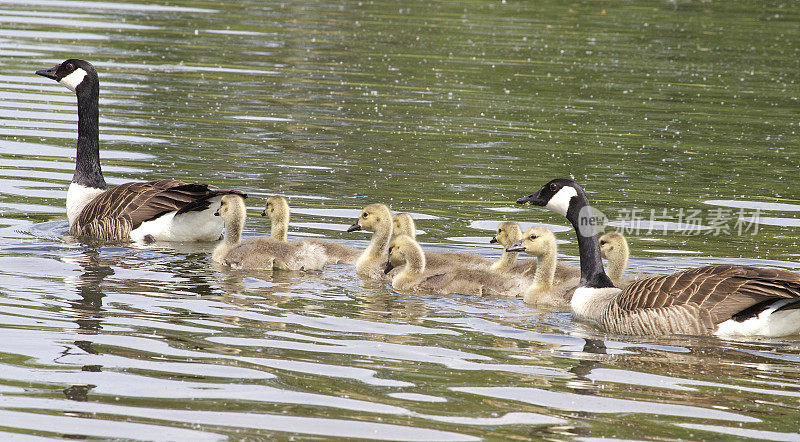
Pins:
x,y
72,80
559,202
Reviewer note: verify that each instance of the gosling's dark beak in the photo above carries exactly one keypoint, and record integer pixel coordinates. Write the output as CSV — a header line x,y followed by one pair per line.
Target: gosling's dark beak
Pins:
x,y
264,213
49,73
354,227
388,268
533,198
493,240
216,213
516,247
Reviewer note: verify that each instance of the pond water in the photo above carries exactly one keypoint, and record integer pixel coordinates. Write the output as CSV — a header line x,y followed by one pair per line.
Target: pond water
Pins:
x,y
680,118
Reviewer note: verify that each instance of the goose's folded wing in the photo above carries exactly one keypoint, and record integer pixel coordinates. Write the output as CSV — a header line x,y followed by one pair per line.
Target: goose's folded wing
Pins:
x,y
140,202
724,290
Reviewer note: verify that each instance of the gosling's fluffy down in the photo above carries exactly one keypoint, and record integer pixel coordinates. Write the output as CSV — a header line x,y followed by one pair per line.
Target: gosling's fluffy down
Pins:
x,y
508,232
277,209
403,224
260,253
614,248
544,290
414,277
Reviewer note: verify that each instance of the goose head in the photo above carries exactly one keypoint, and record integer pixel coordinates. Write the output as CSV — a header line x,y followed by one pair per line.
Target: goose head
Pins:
x,y
277,208
405,250
371,218
559,195
76,75
536,241
508,232
403,224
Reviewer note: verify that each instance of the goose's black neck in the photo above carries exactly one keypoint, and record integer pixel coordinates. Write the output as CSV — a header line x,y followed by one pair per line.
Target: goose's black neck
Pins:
x,y
87,164
579,214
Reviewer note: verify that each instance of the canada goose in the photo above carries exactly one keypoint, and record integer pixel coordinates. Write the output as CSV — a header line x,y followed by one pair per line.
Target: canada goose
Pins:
x,y
260,253
277,209
509,232
405,253
403,224
375,218
163,210
724,300
540,242
614,248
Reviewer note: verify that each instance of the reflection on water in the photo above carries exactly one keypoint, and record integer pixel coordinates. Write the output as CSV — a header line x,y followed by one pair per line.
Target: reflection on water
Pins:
x,y
448,111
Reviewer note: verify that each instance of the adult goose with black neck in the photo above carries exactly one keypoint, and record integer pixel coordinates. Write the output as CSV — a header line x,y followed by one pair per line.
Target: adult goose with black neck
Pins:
x,y
163,210
723,300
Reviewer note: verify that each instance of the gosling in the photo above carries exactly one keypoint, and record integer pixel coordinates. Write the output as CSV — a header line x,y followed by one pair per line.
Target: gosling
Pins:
x,y
508,232
277,209
375,218
614,248
545,289
414,277
260,253
403,224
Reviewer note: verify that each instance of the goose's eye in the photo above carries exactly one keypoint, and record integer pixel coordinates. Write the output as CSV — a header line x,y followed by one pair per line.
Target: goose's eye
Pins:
x,y
365,215
602,243
533,236
69,67
499,230
553,187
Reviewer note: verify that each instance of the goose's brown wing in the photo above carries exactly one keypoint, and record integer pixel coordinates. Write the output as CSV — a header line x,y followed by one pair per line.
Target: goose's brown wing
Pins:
x,y
722,290
119,210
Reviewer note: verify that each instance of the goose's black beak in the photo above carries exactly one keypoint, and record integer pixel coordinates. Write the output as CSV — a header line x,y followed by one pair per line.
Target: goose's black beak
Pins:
x,y
49,73
388,268
493,240
534,198
354,227
516,247
263,213
216,213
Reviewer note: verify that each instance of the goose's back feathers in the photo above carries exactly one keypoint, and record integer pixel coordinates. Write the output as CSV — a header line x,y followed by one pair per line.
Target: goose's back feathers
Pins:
x,y
115,213
724,290
698,301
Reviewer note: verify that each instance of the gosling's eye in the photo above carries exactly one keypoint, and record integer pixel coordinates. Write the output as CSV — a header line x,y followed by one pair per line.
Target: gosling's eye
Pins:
x,y
499,230
602,243
533,236
553,187
365,215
